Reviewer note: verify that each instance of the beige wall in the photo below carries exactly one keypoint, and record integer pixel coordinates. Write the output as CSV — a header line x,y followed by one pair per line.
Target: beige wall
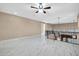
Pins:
x,y
13,26
48,26
78,21
78,25
66,26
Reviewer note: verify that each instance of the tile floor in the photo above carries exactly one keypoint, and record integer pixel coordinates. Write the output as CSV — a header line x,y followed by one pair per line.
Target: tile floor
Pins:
x,y
36,46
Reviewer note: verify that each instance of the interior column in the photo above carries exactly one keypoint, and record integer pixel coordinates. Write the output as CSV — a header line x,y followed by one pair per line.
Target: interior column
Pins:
x,y
43,25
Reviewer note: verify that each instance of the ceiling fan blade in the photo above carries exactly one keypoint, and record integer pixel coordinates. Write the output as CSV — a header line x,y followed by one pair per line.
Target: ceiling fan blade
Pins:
x,y
34,7
36,11
47,8
44,11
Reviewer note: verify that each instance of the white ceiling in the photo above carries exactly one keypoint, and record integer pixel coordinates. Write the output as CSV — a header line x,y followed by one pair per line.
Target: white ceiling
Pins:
x,y
66,11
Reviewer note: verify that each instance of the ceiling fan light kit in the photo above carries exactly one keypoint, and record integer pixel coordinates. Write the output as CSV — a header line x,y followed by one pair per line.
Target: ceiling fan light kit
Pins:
x,y
41,8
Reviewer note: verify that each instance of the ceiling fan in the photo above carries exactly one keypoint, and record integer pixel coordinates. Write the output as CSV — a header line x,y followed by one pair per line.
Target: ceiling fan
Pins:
x,y
40,7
